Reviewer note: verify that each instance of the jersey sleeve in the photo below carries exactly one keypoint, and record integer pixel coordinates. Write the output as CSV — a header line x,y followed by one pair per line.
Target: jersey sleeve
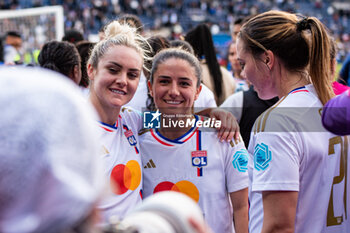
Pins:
x,y
276,158
135,118
236,166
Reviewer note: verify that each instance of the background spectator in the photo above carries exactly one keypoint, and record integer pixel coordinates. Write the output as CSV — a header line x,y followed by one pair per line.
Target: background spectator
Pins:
x,y
62,57
51,176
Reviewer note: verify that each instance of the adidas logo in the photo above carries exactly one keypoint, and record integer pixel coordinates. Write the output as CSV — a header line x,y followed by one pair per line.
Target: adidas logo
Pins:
x,y
104,151
150,164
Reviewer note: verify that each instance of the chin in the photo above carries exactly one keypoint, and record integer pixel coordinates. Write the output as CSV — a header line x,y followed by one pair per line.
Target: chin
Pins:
x,y
266,96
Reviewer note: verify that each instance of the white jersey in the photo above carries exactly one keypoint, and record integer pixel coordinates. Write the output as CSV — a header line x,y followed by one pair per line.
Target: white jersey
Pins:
x,y
205,99
121,155
140,97
234,104
291,151
199,165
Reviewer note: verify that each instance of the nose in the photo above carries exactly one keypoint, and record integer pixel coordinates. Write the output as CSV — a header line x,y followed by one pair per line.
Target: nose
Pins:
x,y
174,90
121,79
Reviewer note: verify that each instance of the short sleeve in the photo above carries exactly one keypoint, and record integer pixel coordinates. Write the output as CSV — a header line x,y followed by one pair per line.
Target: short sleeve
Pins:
x,y
236,166
276,161
134,118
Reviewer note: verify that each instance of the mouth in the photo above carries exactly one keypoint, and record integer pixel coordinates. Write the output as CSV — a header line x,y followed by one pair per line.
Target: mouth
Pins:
x,y
117,91
173,102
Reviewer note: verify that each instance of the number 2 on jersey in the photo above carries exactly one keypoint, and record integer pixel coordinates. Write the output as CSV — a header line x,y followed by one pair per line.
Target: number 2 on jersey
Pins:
x,y
343,142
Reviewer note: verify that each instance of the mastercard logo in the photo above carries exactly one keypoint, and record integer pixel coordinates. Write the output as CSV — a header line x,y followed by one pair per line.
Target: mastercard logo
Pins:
x,y
125,177
182,186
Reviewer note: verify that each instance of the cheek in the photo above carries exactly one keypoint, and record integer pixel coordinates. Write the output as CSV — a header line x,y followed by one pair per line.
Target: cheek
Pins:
x,y
134,84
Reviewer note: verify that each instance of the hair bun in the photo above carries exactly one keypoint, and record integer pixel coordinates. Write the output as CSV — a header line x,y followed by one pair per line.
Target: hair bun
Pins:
x,y
303,24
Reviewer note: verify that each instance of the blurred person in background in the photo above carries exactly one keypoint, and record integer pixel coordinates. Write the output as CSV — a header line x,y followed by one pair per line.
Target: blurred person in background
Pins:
x,y
1,51
73,36
216,78
84,48
338,88
241,83
12,47
344,73
62,57
336,114
133,21
51,174
236,27
206,97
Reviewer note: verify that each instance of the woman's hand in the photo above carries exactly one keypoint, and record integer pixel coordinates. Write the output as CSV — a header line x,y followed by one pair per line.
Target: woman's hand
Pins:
x,y
199,227
229,128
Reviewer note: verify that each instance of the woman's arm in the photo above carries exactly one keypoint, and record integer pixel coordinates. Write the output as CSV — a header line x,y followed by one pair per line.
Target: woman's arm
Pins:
x,y
279,211
239,201
229,126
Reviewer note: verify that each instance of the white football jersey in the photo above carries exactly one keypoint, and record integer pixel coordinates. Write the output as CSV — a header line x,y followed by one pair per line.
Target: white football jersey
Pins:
x,y
122,159
199,165
291,151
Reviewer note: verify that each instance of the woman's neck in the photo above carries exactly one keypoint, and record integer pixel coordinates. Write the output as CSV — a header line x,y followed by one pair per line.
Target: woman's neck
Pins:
x,y
107,114
172,128
292,81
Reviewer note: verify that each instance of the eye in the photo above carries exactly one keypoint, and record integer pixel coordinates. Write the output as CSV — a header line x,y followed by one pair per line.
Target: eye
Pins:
x,y
113,70
185,84
163,81
133,75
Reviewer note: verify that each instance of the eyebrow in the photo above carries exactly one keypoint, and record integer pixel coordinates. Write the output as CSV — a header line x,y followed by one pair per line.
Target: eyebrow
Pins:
x,y
181,78
120,66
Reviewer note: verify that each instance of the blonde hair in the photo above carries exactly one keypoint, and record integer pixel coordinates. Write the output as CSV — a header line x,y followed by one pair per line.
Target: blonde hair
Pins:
x,y
119,34
297,42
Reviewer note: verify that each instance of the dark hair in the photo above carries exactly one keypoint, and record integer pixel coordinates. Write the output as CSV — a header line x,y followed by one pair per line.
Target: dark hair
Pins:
x,y
182,44
73,36
60,56
239,20
285,35
133,21
84,49
157,44
13,33
202,42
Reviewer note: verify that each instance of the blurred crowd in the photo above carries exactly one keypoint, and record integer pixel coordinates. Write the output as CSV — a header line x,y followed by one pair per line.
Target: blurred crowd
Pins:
x,y
88,16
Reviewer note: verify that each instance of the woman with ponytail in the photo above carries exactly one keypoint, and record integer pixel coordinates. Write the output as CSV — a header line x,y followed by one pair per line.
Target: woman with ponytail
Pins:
x,y
297,173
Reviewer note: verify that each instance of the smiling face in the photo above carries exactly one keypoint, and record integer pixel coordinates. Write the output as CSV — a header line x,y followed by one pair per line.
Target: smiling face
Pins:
x,y
174,88
256,72
115,79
